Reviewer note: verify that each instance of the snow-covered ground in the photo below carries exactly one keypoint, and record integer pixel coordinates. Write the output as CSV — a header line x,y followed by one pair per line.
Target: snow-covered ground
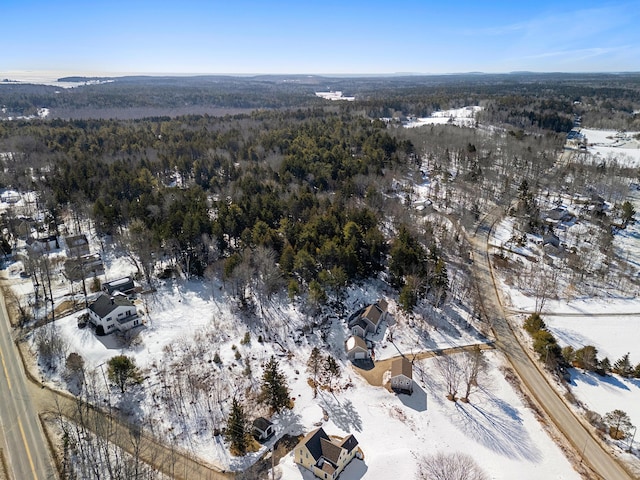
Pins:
x,y
606,144
191,321
610,320
501,434
462,117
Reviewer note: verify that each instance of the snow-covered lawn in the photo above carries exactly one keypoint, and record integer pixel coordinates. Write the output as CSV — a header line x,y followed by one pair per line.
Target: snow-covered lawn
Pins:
x,y
462,117
607,144
608,321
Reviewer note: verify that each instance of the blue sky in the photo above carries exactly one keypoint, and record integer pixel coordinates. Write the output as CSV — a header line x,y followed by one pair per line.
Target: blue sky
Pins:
x,y
239,36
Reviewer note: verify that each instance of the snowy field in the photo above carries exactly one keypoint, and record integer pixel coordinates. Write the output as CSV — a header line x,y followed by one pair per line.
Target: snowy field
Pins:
x,y
607,144
461,117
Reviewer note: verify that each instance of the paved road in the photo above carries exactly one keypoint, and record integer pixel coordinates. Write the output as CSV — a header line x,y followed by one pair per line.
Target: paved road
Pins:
x,y
25,447
173,463
592,453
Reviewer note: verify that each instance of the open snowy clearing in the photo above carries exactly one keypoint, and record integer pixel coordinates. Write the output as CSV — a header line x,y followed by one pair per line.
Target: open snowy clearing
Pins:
x,y
461,117
610,144
608,322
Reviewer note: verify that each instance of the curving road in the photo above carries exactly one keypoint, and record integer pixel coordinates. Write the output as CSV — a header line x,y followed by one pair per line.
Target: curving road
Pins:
x,y
25,447
593,454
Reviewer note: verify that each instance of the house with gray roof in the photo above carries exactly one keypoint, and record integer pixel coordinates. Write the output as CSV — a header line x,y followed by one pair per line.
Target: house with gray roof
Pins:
x,y
262,428
326,457
122,285
402,375
370,319
110,313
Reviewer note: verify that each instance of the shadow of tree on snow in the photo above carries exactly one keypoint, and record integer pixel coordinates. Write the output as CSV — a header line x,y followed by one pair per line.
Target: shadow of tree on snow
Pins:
x,y
344,414
497,425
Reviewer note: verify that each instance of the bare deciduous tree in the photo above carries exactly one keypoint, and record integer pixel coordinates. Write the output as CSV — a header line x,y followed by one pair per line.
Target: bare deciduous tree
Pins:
x,y
452,466
450,372
473,366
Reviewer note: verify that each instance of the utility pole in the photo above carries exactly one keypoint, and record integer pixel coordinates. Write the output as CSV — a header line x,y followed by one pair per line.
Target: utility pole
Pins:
x,y
632,437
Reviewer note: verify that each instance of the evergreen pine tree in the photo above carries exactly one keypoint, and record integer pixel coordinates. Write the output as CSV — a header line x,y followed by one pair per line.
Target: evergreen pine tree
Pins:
x,y
605,366
331,370
623,366
237,429
275,391
314,366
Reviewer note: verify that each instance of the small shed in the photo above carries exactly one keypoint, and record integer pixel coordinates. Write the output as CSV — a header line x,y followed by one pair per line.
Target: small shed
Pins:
x,y
262,428
402,375
357,349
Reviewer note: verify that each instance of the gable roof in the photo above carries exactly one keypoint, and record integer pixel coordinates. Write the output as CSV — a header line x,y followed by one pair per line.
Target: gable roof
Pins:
x,y
262,423
373,313
349,443
354,342
105,304
330,451
359,322
312,442
401,366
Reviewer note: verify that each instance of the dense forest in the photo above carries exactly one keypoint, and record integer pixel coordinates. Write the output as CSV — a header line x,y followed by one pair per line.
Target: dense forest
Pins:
x,y
298,193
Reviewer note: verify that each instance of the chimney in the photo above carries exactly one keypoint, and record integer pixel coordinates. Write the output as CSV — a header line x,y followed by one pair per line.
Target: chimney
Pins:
x,y
112,301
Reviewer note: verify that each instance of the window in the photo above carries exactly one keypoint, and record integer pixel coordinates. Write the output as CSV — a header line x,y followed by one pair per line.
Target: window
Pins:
x,y
108,319
135,322
120,314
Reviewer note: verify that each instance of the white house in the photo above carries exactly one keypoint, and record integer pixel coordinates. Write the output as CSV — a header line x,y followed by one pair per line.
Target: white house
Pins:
x,y
113,313
326,457
262,428
402,375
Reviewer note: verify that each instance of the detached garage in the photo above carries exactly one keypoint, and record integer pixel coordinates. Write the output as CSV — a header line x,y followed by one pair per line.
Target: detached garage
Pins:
x,y
402,375
357,349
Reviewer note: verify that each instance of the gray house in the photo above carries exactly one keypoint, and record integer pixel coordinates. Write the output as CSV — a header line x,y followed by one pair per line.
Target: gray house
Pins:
x,y
370,319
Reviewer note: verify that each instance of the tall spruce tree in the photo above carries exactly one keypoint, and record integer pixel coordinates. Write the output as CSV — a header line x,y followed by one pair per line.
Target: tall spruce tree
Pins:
x,y
237,433
623,366
275,391
314,367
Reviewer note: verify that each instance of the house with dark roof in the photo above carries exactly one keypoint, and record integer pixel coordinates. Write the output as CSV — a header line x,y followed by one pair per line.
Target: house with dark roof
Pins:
x,y
326,457
77,245
262,429
123,285
111,313
370,319
85,266
402,375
